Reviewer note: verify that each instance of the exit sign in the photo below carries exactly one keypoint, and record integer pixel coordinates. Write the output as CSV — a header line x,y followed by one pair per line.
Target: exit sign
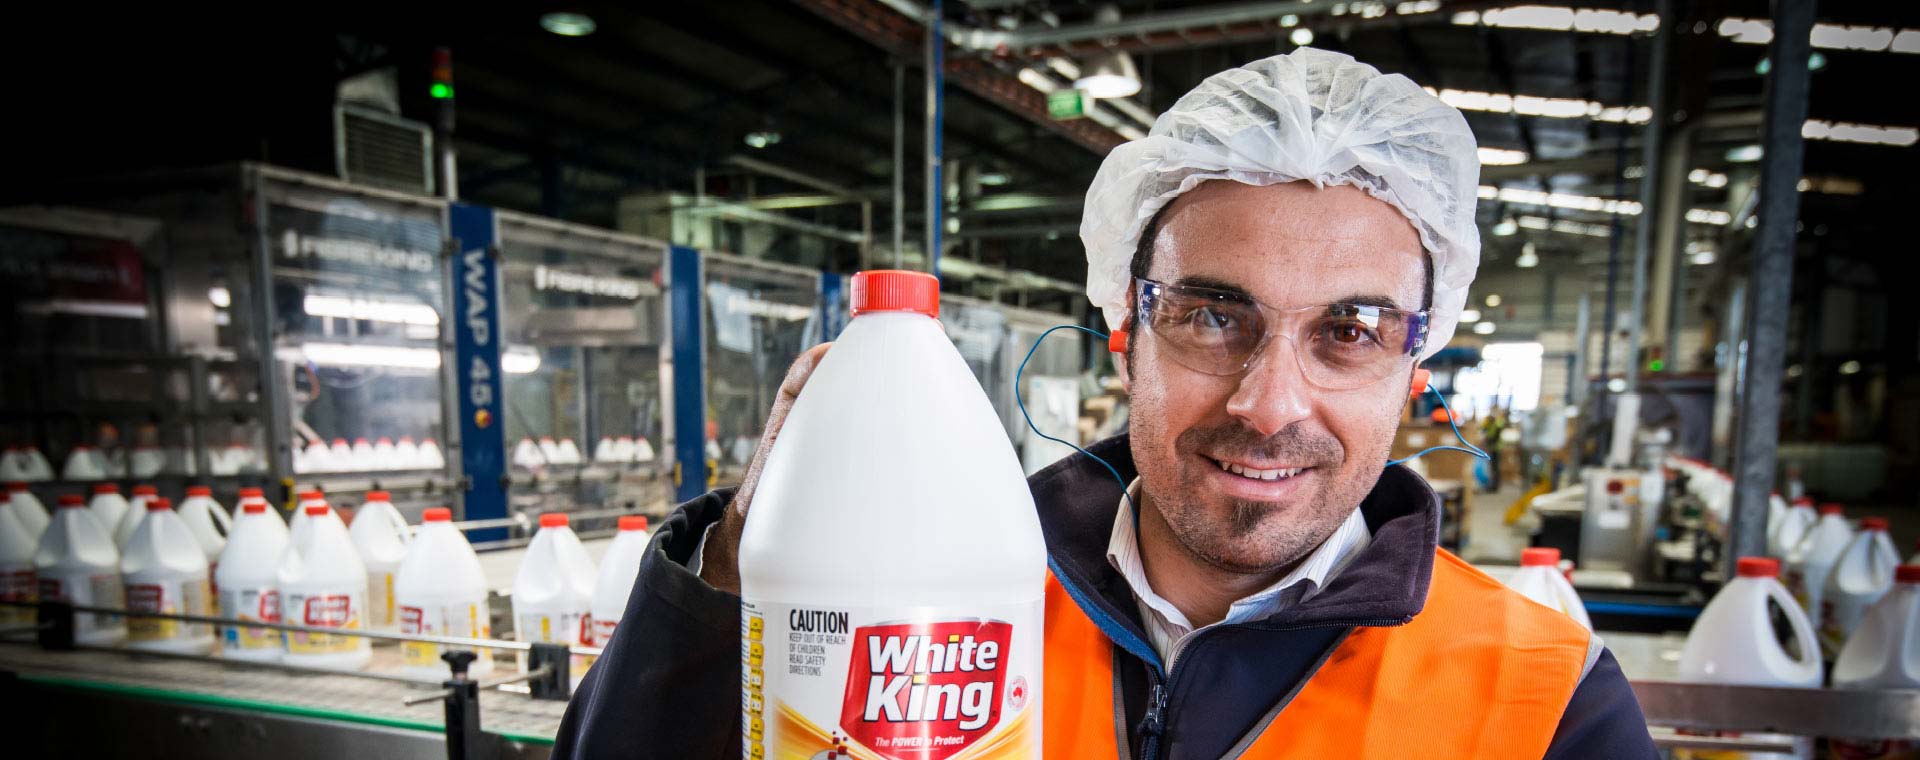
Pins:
x,y
1067,104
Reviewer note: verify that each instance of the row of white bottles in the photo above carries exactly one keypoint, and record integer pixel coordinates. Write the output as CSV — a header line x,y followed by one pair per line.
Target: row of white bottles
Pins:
x,y
1883,653
368,456
1835,572
529,454
622,450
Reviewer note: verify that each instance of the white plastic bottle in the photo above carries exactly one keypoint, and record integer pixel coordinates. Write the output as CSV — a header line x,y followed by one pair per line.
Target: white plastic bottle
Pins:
x,y
430,456
24,505
618,569
77,562
859,541
108,506
248,577
604,452
527,455
84,463
1809,564
164,570
1540,579
553,590
380,535
643,452
549,450
13,464
319,457
1792,528
208,520
38,468
1883,653
341,453
1863,574
385,455
406,454
623,449
363,455
569,452
17,545
136,511
1732,642
441,592
323,584
302,518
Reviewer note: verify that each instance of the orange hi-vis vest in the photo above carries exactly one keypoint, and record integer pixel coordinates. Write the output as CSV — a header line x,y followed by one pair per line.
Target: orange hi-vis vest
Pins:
x,y
1481,672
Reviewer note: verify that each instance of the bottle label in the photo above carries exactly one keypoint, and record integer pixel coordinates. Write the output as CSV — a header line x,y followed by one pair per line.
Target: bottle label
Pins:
x,y
380,599
260,603
323,611
86,591
901,683
167,598
572,629
17,585
461,620
603,630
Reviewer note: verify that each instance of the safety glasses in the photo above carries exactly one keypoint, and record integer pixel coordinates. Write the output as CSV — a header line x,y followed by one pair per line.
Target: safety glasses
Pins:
x,y
1339,346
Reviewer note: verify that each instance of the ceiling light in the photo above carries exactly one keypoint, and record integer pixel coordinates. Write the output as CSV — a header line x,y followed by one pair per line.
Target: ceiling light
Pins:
x,y
1483,328
369,309
1745,154
568,24
1289,21
1469,316
1702,257
1557,19
1493,299
1531,105
1505,227
1872,39
363,355
1109,75
1559,200
1709,216
219,296
762,138
1794,370
1502,157
520,360
994,179
1816,129
1301,36
1528,257
1850,367
1617,385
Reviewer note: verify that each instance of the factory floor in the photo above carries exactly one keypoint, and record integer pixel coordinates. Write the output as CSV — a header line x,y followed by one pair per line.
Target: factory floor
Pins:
x,y
1488,540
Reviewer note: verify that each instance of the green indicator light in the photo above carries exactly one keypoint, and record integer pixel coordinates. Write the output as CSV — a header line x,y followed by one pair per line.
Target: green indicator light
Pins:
x,y
441,90
1656,365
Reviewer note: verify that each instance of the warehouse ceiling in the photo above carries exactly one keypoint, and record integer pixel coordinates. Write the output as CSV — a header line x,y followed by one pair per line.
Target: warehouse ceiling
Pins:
x,y
664,96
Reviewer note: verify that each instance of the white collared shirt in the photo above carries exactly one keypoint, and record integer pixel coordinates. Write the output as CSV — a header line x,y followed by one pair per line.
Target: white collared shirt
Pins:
x,y
1169,628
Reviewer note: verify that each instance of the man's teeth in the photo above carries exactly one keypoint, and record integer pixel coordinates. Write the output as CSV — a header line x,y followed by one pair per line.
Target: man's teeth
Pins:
x,y
1249,472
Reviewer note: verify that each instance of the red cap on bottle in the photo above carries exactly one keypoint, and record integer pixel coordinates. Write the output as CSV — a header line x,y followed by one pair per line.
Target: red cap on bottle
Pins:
x,y
633,522
199,491
1874,523
1829,508
1804,501
145,491
159,504
106,488
553,520
339,441
254,508
73,500
385,441
437,514
312,495
1539,556
1759,567
379,496
16,487
1907,573
251,492
317,510
358,441
895,290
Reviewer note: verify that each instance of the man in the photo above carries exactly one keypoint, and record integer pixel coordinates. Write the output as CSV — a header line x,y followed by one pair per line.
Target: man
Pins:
x,y
1278,253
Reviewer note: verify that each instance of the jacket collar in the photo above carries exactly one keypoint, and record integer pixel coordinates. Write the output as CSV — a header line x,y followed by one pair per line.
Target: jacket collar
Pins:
x,y
1385,585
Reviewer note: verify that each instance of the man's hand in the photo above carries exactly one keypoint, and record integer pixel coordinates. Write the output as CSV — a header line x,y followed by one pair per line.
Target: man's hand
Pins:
x,y
720,562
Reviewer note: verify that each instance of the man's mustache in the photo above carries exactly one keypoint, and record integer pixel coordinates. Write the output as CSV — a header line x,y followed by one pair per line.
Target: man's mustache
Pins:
x,y
1294,444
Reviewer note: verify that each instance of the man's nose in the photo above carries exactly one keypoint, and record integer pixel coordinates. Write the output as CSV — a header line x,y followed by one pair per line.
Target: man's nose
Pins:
x,y
1273,393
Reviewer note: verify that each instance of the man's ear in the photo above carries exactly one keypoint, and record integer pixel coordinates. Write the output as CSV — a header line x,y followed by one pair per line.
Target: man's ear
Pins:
x,y
1117,346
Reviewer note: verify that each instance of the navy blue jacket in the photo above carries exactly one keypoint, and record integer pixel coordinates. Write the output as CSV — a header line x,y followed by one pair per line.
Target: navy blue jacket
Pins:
x,y
668,685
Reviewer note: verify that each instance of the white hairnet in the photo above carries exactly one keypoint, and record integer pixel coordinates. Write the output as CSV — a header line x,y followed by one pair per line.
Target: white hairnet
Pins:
x,y
1309,115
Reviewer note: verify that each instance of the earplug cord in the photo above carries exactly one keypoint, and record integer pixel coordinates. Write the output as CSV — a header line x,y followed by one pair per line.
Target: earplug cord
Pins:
x,y
1019,397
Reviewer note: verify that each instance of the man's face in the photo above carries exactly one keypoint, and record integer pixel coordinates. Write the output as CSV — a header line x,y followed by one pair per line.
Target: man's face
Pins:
x,y
1288,246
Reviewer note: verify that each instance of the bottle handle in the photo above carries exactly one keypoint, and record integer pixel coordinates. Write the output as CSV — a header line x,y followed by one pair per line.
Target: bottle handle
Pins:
x,y
225,520
400,527
1809,663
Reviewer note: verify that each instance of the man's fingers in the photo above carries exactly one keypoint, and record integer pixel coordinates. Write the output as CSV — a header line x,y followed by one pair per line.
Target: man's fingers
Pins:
x,y
796,379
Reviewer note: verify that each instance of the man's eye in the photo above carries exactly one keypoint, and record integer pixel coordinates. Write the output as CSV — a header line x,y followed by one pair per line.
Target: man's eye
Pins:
x,y
1207,316
1349,332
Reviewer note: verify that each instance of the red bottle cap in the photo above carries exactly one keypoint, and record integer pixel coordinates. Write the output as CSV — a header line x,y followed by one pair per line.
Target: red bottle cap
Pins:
x,y
199,491
145,491
379,496
16,487
1759,567
437,514
317,510
312,496
159,504
72,500
251,492
895,290
1829,508
1874,523
1804,501
384,441
1540,556
553,520
339,441
254,508
1907,573
359,441
633,522
105,488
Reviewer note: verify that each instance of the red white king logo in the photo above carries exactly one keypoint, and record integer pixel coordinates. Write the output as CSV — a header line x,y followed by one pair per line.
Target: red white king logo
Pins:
x,y
924,691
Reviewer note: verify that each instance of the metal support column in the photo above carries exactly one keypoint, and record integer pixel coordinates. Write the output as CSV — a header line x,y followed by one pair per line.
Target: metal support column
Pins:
x,y
1649,188
936,182
1772,279
476,367
684,278
445,165
1582,336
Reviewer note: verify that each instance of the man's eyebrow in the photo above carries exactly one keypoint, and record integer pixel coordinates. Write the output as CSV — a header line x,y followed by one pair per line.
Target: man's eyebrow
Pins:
x,y
1383,302
1203,281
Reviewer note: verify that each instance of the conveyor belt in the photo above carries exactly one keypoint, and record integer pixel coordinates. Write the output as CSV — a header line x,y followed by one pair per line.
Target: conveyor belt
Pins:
x,y
334,697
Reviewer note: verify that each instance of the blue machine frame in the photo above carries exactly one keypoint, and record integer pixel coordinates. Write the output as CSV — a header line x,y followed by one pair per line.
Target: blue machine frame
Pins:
x,y
684,277
476,366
